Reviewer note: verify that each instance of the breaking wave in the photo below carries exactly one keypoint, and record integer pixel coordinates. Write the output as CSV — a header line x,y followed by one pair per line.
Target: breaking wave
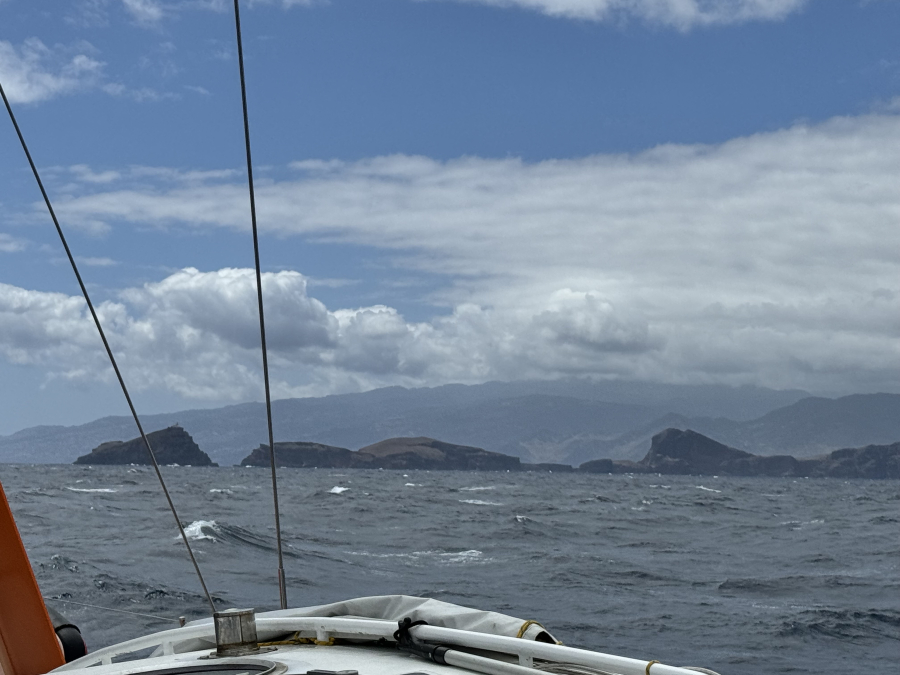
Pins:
x,y
91,489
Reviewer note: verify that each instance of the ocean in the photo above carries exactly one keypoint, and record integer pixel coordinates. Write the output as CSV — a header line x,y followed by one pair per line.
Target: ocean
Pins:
x,y
740,575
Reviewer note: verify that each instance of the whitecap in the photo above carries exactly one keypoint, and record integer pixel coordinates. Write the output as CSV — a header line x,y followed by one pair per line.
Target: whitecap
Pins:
x,y
700,487
195,530
224,491
444,557
337,489
523,519
800,523
91,489
475,489
411,485
479,502
461,557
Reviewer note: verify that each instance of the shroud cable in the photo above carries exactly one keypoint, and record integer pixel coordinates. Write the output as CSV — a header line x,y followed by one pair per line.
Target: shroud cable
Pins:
x,y
109,353
282,585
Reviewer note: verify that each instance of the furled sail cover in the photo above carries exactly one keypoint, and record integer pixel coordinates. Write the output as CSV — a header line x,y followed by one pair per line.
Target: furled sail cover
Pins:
x,y
435,612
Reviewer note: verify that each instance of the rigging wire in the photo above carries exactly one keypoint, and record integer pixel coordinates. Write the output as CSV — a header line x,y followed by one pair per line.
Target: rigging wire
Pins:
x,y
109,353
282,586
179,620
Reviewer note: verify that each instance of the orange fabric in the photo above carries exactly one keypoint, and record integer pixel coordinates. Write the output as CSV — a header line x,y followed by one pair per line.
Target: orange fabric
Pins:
x,y
28,644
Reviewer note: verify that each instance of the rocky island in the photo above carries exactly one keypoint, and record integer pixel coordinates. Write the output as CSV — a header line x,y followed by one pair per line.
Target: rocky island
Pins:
x,y
673,452
302,455
171,446
678,452
394,453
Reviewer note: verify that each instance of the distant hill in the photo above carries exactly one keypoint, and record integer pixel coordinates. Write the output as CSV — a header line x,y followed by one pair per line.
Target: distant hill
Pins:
x,y
536,421
566,422
810,427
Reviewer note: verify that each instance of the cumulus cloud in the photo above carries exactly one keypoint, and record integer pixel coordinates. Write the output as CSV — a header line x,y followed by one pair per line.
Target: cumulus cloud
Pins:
x,y
769,259
196,333
34,72
679,14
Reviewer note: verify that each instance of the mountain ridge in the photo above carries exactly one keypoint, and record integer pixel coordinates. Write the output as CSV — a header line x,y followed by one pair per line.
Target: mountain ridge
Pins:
x,y
563,422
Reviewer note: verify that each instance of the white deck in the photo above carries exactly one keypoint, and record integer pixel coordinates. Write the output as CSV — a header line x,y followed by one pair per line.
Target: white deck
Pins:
x,y
297,659
496,654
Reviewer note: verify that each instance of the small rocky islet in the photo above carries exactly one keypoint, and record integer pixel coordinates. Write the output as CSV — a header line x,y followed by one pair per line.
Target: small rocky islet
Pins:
x,y
172,445
672,452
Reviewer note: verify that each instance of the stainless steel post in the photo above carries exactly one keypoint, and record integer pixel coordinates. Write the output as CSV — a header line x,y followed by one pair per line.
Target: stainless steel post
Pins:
x,y
236,632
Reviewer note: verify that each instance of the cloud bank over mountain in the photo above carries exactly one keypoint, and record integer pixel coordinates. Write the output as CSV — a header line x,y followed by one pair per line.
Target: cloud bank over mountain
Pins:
x,y
196,333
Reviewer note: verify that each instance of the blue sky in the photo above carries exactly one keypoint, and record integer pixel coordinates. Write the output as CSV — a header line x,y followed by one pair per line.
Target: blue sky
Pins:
x,y
450,191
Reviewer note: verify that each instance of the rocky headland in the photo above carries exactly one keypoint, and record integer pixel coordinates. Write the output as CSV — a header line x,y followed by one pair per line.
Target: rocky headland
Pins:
x,y
678,452
394,453
171,446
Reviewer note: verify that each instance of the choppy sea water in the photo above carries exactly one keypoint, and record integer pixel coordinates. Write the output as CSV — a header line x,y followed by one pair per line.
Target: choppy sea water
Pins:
x,y
741,575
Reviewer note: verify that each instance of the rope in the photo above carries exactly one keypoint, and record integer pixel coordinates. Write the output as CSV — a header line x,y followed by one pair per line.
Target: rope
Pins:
x,y
647,669
109,353
532,622
295,639
112,609
527,625
282,586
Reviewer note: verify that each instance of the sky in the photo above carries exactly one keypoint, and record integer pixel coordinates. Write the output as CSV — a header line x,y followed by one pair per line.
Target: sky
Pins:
x,y
681,191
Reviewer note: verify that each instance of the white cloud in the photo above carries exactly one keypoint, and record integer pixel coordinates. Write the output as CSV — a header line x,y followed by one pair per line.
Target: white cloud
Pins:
x,y
82,172
147,12
34,72
203,91
196,333
679,14
140,94
11,244
770,259
97,262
